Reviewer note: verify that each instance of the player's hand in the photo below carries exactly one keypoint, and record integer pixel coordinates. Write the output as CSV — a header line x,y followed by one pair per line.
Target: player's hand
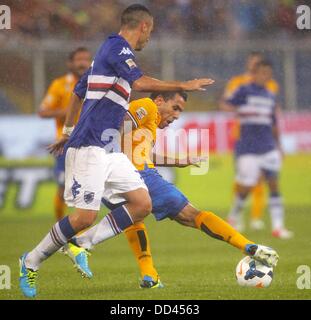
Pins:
x,y
197,84
57,148
191,161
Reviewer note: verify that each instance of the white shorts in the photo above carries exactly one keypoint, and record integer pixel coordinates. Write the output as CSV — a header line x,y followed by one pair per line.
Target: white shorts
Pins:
x,y
250,166
92,174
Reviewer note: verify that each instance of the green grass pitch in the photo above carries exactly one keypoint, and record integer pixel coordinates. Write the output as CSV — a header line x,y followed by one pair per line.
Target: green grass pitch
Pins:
x,y
191,265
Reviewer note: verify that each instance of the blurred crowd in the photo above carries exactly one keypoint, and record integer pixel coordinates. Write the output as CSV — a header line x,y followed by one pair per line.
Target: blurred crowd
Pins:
x,y
212,19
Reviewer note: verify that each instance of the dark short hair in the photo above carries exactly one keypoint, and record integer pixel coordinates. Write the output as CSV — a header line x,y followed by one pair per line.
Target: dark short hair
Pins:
x,y
133,15
73,53
263,63
167,95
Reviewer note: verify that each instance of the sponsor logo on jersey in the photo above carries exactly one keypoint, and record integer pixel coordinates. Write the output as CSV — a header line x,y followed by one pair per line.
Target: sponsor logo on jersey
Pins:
x,y
141,113
88,196
131,63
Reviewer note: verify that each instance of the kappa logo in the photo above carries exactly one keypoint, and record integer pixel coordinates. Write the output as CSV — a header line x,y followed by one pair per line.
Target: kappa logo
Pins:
x,y
126,51
75,187
88,196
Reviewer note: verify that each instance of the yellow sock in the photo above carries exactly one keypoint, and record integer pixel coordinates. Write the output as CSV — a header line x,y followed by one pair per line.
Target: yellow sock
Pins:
x,y
258,201
59,207
139,242
217,228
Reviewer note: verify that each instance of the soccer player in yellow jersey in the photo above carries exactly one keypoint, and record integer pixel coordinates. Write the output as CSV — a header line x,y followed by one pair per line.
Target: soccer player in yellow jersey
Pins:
x,y
54,105
258,192
148,114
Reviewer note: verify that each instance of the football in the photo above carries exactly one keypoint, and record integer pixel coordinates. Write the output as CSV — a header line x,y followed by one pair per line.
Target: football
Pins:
x,y
252,273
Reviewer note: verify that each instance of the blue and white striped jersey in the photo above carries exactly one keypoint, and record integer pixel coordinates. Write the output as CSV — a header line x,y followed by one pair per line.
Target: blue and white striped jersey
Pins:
x,y
106,89
255,107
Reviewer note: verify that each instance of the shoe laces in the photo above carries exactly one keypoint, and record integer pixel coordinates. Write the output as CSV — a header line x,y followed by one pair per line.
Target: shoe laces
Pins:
x,y
31,277
148,284
251,249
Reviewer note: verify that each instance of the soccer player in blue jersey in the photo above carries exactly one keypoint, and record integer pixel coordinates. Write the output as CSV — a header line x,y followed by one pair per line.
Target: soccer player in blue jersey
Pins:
x,y
95,167
257,151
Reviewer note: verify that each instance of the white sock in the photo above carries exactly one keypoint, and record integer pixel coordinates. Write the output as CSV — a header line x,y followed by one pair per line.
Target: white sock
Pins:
x,y
237,208
53,241
98,233
276,212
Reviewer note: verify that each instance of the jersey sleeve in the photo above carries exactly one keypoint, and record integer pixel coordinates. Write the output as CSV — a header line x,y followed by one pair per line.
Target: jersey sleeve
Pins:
x,y
53,96
237,98
273,87
123,62
231,87
81,86
140,112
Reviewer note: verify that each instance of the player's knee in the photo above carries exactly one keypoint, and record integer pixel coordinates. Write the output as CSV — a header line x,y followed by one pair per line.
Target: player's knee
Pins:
x,y
144,207
188,216
60,192
139,204
83,219
88,219
273,185
243,191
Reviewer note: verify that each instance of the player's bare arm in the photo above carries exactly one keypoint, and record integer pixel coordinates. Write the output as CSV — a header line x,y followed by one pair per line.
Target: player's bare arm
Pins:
x,y
71,114
160,160
227,107
167,161
276,134
276,129
45,112
148,84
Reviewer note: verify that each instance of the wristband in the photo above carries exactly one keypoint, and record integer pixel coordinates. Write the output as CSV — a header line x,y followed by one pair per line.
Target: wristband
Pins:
x,y
68,130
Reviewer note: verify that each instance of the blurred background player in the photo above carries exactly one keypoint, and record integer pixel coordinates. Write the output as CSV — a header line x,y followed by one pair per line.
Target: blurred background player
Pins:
x,y
54,105
234,84
148,114
258,151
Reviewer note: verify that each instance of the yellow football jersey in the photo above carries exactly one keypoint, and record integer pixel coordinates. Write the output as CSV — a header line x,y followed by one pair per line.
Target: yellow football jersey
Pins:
x,y
144,113
235,83
58,97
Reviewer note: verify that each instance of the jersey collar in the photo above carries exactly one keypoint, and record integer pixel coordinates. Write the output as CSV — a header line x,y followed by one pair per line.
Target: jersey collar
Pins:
x,y
116,35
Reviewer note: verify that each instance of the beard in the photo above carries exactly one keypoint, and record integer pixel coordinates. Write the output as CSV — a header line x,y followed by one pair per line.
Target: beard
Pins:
x,y
79,72
141,45
139,48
